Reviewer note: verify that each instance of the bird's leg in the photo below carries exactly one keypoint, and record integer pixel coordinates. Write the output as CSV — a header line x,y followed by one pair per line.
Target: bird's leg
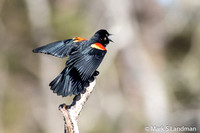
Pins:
x,y
92,78
96,73
76,98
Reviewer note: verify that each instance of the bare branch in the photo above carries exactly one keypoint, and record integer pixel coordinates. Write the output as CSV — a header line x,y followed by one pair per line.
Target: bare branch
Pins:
x,y
71,112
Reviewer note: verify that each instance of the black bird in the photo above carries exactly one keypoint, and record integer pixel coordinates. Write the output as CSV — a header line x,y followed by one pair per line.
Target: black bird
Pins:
x,y
84,57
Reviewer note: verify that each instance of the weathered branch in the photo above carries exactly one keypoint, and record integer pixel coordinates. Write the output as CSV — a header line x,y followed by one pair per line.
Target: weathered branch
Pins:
x,y
71,112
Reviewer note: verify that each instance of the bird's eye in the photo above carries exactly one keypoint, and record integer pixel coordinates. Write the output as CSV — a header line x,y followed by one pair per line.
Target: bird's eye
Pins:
x,y
105,38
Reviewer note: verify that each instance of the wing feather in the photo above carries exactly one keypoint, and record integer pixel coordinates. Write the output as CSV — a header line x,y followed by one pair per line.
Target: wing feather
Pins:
x,y
87,63
59,49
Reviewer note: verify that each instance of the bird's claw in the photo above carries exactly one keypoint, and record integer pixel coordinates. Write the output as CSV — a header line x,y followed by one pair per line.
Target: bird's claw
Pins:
x,y
62,107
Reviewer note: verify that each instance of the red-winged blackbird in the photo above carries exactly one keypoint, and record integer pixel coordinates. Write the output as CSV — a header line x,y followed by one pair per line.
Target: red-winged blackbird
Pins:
x,y
84,58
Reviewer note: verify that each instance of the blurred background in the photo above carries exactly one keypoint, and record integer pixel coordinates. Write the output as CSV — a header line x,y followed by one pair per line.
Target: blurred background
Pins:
x,y
150,75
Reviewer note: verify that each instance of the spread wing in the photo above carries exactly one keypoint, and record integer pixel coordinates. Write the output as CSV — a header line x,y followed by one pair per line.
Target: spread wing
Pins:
x,y
86,62
60,49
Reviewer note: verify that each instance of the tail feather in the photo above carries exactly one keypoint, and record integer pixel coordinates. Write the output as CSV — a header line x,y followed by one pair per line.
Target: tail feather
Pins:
x,y
68,82
60,84
77,87
55,82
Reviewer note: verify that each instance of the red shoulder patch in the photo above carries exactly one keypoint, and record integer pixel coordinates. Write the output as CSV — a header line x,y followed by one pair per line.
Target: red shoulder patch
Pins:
x,y
78,39
98,46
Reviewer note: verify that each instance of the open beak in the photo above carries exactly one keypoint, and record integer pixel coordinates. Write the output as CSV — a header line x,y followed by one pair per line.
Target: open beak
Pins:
x,y
110,39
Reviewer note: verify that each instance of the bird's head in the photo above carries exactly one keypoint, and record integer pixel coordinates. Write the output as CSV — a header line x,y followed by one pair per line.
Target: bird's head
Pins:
x,y
101,36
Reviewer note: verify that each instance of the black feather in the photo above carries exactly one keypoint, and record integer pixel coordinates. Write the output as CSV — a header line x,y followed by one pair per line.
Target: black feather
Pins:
x,y
59,49
86,64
